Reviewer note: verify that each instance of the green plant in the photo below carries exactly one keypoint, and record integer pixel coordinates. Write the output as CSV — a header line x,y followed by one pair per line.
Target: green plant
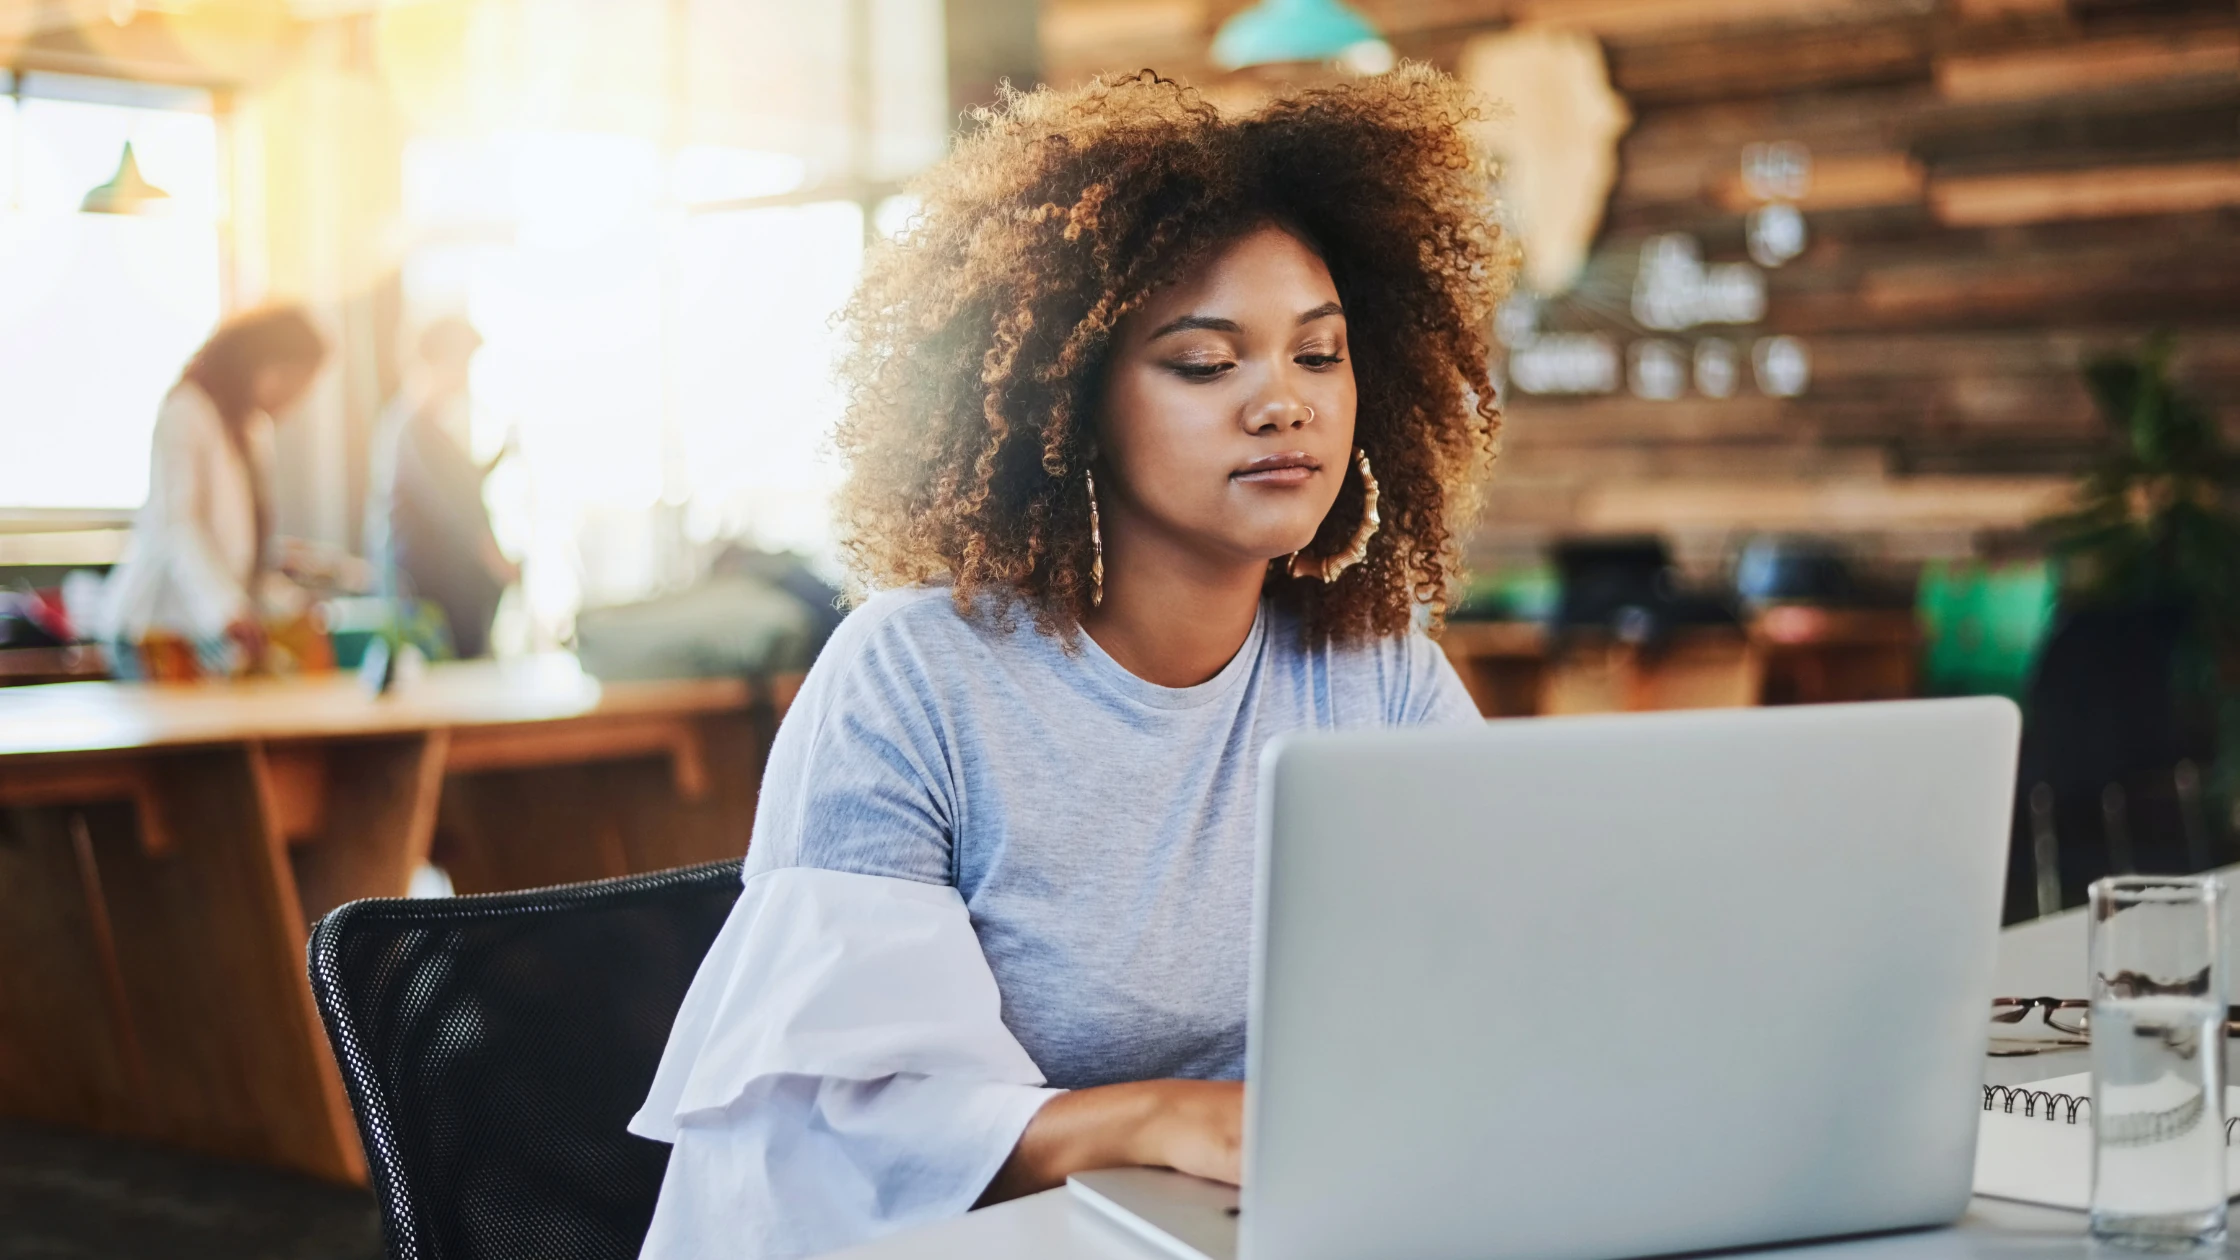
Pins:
x,y
2156,526
2155,522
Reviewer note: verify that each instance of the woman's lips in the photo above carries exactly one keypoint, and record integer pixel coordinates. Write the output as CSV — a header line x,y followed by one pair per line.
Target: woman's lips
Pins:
x,y
1288,469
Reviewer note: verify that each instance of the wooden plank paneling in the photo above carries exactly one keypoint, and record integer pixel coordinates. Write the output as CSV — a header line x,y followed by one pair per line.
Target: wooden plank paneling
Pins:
x,y
1839,182
2106,192
1633,19
2164,286
1990,10
2161,122
2099,65
1073,28
1921,502
1770,63
2000,189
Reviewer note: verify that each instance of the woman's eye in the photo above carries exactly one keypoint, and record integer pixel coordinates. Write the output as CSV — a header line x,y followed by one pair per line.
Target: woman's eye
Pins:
x,y
1319,361
1198,371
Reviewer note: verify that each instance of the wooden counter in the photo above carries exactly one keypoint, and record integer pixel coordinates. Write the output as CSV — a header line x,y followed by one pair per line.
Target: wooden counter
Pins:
x,y
164,849
1785,655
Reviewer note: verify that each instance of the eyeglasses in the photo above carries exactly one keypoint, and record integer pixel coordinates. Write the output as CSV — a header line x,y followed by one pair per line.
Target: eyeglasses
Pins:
x,y
2063,1015
2069,1018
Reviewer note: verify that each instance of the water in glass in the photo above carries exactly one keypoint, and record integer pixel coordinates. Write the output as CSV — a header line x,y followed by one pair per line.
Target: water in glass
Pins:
x,y
2160,1144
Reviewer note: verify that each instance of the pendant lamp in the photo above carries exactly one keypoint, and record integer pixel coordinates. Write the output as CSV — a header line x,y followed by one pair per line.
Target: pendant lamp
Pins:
x,y
1274,31
126,192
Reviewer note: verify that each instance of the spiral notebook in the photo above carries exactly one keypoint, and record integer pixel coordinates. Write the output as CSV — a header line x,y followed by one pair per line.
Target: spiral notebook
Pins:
x,y
2035,1143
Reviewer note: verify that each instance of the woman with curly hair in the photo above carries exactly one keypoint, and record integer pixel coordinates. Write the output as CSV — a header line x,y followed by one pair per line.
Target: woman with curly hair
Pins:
x,y
1162,423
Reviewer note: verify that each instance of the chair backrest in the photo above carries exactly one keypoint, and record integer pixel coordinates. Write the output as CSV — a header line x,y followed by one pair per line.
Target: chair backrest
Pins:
x,y
2111,761
495,1046
2104,702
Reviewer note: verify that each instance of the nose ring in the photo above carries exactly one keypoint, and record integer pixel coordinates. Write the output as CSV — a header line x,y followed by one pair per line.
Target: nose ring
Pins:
x,y
1310,415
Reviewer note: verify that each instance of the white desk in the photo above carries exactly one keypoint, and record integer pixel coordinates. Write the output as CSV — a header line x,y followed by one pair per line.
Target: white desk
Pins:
x,y
2045,956
1050,1226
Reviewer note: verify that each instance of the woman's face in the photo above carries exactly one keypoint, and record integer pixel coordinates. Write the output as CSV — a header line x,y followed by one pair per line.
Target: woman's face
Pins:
x,y
280,386
1228,408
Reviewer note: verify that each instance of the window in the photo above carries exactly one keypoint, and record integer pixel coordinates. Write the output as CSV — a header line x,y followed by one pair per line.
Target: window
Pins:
x,y
664,365
98,312
636,355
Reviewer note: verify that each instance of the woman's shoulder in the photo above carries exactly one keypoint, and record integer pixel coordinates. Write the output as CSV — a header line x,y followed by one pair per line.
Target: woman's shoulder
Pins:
x,y
186,409
1404,678
902,645
913,620
859,776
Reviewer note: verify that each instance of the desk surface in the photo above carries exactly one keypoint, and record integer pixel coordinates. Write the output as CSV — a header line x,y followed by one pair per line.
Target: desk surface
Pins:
x,y
111,716
2032,959
1051,1226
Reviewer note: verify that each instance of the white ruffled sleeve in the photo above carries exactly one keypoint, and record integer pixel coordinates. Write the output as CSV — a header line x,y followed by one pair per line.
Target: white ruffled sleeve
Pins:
x,y
840,1069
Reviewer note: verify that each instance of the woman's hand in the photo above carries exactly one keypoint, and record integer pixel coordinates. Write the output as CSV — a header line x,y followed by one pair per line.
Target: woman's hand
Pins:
x,y
1195,1127
1198,1129
248,633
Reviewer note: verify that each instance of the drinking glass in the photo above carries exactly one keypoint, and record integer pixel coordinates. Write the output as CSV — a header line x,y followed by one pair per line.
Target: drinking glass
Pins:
x,y
2158,1005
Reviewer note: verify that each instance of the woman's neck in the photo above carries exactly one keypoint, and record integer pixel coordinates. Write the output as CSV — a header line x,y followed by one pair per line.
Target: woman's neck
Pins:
x,y
1171,616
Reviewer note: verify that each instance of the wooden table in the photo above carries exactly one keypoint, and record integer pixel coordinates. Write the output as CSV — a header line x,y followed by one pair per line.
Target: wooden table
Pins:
x,y
164,849
1785,655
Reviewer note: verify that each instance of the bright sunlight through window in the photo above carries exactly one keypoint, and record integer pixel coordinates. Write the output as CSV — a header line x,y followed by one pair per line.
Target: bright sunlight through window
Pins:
x,y
98,312
639,356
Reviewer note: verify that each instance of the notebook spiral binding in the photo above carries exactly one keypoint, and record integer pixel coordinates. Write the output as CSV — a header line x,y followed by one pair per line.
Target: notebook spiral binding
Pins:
x,y
2037,1103
2034,1101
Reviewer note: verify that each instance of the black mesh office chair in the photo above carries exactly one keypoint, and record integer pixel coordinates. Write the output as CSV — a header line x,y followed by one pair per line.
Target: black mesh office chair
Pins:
x,y
495,1046
2113,759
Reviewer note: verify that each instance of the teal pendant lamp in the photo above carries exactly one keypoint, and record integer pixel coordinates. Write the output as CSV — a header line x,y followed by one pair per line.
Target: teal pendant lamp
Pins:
x,y
126,192
1275,31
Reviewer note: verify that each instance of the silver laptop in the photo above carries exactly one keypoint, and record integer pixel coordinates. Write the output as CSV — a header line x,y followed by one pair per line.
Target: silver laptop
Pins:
x,y
1589,988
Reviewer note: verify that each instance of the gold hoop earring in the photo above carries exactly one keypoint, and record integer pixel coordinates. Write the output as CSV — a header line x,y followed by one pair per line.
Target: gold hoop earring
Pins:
x,y
1329,567
1096,545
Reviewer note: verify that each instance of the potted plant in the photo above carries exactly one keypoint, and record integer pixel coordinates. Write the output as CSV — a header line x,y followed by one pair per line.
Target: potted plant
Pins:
x,y
2155,531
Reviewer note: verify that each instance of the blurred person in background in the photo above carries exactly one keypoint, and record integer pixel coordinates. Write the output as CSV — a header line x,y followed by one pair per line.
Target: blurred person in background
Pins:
x,y
197,584
427,530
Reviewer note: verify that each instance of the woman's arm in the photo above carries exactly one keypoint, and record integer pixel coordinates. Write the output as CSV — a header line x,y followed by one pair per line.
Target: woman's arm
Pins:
x,y
1195,1127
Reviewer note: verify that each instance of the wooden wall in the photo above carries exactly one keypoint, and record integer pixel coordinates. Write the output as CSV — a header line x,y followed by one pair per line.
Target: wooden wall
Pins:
x,y
2000,187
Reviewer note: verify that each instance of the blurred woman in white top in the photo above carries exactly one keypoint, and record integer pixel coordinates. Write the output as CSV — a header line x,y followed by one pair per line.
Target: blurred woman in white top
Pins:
x,y
194,571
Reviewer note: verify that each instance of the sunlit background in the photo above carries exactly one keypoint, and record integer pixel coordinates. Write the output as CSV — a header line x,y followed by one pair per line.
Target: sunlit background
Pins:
x,y
1862,350
651,211
97,312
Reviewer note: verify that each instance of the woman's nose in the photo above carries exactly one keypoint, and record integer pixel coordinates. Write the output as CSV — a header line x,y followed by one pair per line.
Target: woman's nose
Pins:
x,y
1274,415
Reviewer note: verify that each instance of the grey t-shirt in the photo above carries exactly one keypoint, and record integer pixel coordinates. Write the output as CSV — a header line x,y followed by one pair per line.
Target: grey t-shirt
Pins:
x,y
1098,827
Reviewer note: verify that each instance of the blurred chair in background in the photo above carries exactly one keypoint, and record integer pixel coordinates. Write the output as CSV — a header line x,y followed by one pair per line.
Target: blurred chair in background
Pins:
x,y
756,613
1628,637
1985,626
2112,761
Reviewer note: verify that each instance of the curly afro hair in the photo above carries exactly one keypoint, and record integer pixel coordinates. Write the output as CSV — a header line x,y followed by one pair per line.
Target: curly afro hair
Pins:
x,y
980,337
